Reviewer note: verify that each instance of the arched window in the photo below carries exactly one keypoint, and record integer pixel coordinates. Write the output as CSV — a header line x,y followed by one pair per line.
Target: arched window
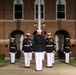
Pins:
x,y
61,9
42,10
18,9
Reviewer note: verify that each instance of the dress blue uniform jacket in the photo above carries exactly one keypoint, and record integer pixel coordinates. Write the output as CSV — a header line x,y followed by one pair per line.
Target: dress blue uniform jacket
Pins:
x,y
50,46
27,45
38,43
13,47
67,47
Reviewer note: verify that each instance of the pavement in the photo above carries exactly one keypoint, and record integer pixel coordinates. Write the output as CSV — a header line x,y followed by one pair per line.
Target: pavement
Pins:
x,y
18,68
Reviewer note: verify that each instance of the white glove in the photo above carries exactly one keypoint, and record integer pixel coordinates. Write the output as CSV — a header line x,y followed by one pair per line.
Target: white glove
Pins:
x,y
64,52
32,51
53,51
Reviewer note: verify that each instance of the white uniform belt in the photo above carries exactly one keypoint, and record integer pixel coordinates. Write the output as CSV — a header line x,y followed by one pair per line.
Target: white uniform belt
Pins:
x,y
49,45
67,47
27,45
13,47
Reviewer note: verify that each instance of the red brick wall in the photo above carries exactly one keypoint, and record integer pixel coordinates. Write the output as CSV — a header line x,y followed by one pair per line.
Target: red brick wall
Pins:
x,y
29,7
4,50
70,9
1,9
8,9
2,29
9,28
50,9
50,14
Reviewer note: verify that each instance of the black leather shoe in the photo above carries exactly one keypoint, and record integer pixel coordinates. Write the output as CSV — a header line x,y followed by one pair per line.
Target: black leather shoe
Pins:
x,y
12,63
38,70
27,66
53,63
49,66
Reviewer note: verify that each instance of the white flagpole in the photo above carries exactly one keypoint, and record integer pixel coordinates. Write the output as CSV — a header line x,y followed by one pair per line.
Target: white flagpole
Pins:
x,y
39,15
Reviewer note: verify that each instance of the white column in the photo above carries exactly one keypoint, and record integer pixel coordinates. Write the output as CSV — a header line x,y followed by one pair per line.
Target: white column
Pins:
x,y
39,14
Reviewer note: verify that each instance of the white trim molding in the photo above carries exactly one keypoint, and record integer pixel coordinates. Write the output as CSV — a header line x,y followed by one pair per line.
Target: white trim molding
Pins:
x,y
4,40
31,20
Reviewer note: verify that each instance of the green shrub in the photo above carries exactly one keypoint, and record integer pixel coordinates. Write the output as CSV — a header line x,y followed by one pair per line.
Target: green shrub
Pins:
x,y
2,56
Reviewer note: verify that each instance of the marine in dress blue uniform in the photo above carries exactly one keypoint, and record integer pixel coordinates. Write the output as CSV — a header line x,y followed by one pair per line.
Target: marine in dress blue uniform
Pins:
x,y
67,49
50,48
13,50
27,50
38,47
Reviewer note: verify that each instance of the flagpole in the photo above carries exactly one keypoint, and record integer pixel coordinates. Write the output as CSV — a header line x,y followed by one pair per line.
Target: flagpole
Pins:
x,y
39,15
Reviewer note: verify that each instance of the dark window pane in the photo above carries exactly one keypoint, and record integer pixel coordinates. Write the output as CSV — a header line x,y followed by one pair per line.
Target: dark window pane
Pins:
x,y
18,15
36,15
41,7
41,12
61,15
18,7
60,7
41,15
36,7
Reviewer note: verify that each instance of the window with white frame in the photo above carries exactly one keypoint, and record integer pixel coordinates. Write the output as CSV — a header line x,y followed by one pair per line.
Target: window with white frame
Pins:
x,y
18,9
42,10
60,9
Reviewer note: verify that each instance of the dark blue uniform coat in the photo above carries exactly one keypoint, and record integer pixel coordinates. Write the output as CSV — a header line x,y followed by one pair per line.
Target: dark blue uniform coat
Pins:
x,y
67,47
27,45
50,46
13,47
38,43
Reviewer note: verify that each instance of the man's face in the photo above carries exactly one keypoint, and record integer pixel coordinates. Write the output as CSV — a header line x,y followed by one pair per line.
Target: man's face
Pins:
x,y
49,36
39,33
12,40
27,36
67,40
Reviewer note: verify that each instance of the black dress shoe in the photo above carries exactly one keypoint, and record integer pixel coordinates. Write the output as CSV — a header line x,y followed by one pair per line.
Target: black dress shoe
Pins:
x,y
12,63
49,66
38,70
53,63
27,66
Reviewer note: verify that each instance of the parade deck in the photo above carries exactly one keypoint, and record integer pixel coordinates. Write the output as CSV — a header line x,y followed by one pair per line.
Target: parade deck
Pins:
x,y
19,69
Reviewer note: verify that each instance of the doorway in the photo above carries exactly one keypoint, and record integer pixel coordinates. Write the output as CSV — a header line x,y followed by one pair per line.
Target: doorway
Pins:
x,y
60,39
17,35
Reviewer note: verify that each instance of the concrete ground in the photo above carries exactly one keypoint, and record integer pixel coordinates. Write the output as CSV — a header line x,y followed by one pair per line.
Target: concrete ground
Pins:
x,y
19,69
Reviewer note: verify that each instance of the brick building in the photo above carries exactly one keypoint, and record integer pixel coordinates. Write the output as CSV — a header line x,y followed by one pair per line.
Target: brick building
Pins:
x,y
18,17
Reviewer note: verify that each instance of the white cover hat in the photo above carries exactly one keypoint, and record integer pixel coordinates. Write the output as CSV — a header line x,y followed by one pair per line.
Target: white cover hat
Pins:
x,y
48,34
28,34
66,38
38,30
12,38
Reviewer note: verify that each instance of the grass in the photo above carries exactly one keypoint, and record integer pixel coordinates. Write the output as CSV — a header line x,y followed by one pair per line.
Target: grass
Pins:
x,y
72,62
4,63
